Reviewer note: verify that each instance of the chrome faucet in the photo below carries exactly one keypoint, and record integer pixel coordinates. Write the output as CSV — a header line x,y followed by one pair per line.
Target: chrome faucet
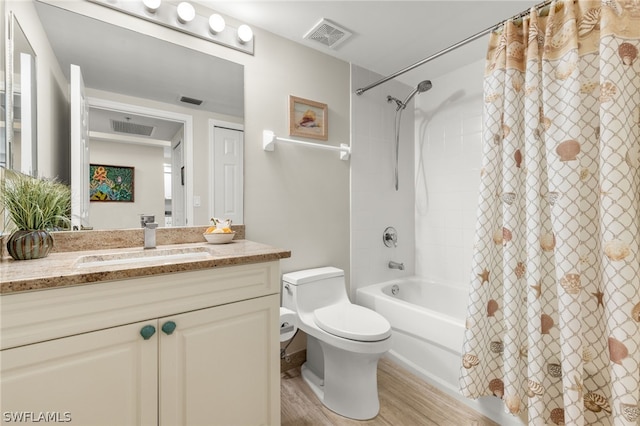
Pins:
x,y
396,265
147,222
146,218
150,235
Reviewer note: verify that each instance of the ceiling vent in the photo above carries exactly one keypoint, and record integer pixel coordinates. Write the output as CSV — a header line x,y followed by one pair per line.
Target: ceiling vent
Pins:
x,y
192,101
328,33
131,128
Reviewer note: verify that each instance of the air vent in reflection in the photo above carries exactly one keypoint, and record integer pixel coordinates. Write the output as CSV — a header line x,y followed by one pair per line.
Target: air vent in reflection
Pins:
x,y
189,100
131,128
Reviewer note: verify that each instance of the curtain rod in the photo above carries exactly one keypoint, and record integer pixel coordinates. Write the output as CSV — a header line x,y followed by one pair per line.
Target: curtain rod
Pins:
x,y
452,47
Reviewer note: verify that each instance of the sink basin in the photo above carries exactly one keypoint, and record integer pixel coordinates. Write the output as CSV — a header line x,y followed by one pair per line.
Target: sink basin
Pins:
x,y
144,256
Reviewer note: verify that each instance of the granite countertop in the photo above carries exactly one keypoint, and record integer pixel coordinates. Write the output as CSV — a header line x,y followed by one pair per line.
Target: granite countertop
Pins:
x,y
62,269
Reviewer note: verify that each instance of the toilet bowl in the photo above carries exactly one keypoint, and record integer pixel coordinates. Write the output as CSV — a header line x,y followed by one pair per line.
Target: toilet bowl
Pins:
x,y
344,341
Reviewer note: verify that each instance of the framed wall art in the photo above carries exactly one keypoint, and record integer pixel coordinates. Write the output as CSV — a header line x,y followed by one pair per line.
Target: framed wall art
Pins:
x,y
111,183
308,118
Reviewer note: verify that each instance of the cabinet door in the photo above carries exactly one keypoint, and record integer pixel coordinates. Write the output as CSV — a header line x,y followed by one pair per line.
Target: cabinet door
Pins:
x,y
106,377
221,366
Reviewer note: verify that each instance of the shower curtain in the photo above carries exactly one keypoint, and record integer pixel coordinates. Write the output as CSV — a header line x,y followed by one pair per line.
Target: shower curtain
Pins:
x,y
553,325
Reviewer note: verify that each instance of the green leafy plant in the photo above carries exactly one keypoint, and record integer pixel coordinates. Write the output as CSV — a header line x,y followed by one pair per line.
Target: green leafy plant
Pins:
x,y
35,203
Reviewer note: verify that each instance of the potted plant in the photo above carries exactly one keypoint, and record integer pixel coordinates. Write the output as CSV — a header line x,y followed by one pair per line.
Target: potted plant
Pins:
x,y
34,206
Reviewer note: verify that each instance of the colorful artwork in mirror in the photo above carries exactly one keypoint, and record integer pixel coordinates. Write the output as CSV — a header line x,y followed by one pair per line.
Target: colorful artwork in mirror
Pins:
x,y
111,183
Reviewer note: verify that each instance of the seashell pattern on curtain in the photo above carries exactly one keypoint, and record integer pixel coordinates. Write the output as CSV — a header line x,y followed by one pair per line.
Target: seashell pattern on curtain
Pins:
x,y
556,270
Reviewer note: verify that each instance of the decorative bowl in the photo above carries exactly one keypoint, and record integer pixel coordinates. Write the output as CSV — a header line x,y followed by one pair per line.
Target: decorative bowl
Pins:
x,y
219,237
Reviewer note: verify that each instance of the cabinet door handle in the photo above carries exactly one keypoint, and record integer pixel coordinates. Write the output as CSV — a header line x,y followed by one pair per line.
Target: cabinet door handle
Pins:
x,y
168,327
147,331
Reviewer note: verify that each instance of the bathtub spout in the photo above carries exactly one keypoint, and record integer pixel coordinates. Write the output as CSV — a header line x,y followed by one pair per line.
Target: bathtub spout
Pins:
x,y
396,265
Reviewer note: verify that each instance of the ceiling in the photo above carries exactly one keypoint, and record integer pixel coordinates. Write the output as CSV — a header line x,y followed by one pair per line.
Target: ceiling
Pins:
x,y
387,36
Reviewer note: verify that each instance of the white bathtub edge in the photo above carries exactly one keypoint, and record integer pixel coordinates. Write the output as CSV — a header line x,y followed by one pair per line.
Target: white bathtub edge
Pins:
x,y
424,333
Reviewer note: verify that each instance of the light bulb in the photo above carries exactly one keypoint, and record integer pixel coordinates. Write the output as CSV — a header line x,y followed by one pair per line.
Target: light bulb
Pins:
x,y
216,23
245,33
186,12
152,5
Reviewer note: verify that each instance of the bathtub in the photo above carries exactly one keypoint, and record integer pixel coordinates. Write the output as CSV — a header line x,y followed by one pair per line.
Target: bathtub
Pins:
x,y
428,322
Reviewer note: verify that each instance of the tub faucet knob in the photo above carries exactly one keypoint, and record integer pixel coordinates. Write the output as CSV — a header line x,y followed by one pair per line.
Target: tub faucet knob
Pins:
x,y
390,237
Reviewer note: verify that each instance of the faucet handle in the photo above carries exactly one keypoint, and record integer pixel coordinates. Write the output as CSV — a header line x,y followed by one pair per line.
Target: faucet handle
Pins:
x,y
390,237
146,218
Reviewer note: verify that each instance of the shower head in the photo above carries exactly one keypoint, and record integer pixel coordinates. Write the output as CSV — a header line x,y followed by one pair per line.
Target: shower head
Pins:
x,y
423,86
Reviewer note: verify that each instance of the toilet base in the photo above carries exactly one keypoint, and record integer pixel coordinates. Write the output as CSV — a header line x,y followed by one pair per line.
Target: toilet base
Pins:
x,y
350,384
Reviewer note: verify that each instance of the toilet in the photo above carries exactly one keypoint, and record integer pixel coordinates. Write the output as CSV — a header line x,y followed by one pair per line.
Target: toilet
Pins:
x,y
344,341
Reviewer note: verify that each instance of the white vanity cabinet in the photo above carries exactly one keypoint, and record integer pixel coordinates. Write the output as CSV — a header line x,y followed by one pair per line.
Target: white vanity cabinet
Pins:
x,y
106,377
190,348
216,367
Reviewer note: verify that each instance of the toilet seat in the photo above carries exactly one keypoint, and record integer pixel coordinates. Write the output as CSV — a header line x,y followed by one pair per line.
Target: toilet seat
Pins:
x,y
352,322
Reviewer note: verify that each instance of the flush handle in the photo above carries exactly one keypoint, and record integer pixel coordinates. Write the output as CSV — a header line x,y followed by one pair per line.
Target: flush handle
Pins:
x,y
147,331
168,327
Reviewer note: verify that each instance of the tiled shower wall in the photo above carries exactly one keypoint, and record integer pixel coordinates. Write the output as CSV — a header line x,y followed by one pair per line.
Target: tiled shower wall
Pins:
x,y
448,161
375,204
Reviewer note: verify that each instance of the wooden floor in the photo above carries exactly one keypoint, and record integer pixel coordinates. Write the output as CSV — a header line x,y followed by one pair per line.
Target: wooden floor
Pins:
x,y
405,400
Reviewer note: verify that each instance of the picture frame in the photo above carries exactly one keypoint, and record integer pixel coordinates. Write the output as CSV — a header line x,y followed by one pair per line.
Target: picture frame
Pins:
x,y
308,118
111,183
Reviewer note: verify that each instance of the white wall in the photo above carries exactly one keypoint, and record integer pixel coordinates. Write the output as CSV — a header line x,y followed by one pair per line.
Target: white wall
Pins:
x,y
148,184
449,143
296,198
375,204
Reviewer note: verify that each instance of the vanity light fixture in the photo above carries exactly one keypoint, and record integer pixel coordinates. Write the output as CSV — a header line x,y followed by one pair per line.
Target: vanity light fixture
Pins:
x,y
184,18
245,33
216,23
185,12
152,5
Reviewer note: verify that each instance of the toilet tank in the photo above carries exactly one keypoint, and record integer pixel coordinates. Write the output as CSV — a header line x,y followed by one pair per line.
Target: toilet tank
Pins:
x,y
309,289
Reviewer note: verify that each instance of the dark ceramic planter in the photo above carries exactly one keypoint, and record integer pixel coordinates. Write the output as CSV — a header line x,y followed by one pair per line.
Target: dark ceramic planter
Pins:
x,y
25,245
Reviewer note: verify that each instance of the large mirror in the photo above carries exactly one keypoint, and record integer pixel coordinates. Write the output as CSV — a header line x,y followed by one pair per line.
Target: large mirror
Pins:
x,y
156,110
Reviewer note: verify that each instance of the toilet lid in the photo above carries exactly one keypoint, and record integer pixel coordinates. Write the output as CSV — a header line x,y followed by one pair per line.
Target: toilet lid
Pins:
x,y
353,322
